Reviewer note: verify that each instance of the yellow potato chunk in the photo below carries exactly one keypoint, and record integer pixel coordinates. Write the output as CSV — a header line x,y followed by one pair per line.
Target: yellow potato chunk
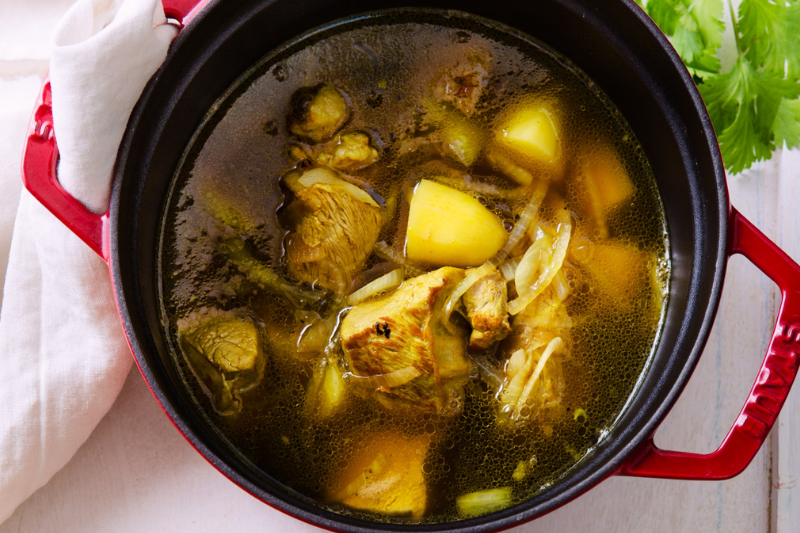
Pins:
x,y
532,136
385,477
449,227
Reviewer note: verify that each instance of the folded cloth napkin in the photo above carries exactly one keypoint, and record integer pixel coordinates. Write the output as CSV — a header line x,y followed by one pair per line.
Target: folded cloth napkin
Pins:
x,y
63,355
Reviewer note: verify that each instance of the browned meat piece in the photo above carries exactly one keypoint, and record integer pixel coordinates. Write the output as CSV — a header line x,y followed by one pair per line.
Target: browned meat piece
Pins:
x,y
224,352
487,311
463,84
318,112
398,350
336,227
348,151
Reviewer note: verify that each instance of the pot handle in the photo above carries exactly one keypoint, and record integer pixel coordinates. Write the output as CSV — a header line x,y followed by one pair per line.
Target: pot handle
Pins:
x,y
40,157
770,389
182,10
39,166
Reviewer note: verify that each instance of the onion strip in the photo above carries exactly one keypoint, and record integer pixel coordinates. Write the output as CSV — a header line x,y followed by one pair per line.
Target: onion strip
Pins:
x,y
555,344
387,282
389,381
528,294
515,387
527,218
509,268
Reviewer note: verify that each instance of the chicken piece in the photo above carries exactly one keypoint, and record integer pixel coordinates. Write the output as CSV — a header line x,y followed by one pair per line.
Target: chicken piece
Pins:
x,y
398,351
487,310
353,151
335,228
348,151
462,85
317,113
225,353
230,344
385,477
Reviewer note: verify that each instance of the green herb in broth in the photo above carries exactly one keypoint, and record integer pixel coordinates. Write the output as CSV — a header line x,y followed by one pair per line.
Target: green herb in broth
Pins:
x,y
318,421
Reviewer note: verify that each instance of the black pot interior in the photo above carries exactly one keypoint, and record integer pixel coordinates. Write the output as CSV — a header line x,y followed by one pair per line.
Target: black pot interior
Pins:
x,y
611,40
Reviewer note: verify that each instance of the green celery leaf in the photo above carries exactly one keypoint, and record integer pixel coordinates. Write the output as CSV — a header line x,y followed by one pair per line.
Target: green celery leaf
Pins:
x,y
787,124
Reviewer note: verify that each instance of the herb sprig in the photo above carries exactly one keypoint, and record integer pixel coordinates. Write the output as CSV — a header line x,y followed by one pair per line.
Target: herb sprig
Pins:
x,y
754,105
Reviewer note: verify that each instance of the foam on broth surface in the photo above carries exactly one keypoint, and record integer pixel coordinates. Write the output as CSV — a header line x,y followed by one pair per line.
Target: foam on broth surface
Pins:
x,y
385,69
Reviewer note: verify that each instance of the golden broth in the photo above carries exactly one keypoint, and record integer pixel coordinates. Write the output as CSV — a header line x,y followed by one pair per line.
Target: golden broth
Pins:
x,y
240,152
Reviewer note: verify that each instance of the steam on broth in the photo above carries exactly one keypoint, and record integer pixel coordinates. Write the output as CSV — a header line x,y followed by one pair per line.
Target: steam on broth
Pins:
x,y
414,270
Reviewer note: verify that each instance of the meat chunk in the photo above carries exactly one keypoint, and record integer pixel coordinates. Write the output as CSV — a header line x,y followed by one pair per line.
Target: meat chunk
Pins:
x,y
317,113
225,354
354,150
385,477
462,85
335,227
487,311
398,351
230,344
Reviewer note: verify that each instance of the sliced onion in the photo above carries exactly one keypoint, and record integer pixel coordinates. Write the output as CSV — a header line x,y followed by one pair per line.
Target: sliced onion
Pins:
x,y
561,286
473,276
527,293
512,393
387,252
326,176
509,268
555,344
387,282
526,219
537,255
515,363
489,373
389,381
484,501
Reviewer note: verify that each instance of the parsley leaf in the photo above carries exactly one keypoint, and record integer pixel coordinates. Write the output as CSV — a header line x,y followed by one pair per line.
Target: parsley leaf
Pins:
x,y
754,106
769,33
787,124
695,29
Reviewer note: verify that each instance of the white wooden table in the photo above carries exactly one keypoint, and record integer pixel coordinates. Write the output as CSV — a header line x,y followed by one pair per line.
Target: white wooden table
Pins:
x,y
136,473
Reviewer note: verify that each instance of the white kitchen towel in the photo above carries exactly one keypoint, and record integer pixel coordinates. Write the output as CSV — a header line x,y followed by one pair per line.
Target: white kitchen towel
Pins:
x,y
63,355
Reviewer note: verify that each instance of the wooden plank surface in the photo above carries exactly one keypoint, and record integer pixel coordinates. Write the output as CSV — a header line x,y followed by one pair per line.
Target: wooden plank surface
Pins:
x,y
786,470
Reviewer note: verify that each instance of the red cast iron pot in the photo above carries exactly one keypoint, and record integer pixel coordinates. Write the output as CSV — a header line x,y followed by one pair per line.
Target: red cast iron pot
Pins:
x,y
624,53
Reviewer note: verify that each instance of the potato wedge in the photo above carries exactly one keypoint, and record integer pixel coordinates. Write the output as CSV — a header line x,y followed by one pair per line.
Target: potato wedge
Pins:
x,y
449,227
531,136
602,185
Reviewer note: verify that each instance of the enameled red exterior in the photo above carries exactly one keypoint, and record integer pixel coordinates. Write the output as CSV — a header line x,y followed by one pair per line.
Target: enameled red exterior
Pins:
x,y
770,389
